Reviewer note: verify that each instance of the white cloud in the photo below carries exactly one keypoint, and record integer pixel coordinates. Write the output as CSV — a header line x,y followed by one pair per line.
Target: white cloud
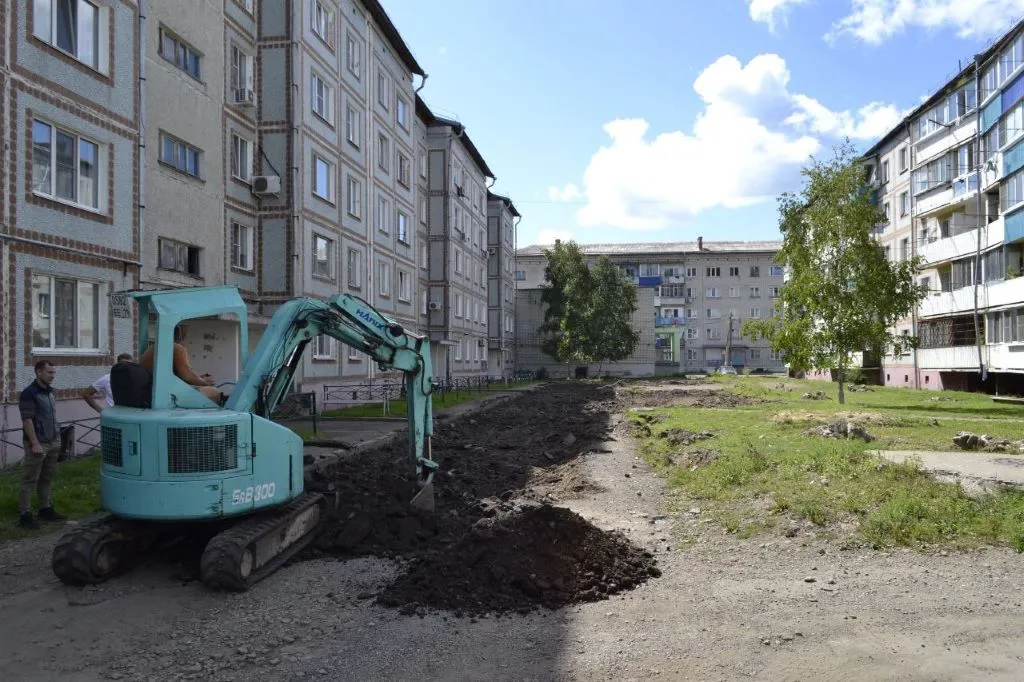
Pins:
x,y
875,21
745,147
772,12
549,236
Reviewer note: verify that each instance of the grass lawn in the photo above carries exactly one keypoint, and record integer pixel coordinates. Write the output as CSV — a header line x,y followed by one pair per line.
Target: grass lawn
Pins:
x,y
766,468
397,408
76,493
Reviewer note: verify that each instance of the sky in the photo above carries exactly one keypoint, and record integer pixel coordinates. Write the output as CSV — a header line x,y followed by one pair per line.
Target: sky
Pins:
x,y
666,120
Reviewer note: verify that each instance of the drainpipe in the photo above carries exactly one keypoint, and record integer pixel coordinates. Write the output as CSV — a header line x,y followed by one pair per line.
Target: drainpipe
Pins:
x,y
142,136
515,294
296,28
977,254
914,251
371,233
423,81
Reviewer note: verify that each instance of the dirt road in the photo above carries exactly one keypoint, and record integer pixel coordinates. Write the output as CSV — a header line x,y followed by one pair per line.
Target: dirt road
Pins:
x,y
364,605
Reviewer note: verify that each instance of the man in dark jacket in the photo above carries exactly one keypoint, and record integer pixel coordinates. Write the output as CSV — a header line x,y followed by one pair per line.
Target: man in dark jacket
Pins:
x,y
41,440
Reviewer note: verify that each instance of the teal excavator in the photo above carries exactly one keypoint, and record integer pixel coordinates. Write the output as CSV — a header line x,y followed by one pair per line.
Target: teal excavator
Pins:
x,y
173,457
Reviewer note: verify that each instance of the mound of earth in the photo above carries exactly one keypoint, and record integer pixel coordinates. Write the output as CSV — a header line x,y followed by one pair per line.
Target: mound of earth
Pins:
x,y
684,437
695,458
516,453
522,557
712,398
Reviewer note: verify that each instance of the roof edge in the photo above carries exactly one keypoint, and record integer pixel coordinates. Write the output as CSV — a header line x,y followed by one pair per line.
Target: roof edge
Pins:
x,y
381,18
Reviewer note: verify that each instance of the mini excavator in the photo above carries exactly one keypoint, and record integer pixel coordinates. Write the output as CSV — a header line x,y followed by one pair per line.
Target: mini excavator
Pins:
x,y
172,457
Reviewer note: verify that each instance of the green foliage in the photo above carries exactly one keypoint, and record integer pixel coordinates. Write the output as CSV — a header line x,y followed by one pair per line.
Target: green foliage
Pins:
x,y
588,311
843,296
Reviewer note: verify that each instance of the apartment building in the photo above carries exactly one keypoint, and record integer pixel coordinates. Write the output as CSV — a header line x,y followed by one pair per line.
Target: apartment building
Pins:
x,y
457,241
693,298
69,210
967,174
502,219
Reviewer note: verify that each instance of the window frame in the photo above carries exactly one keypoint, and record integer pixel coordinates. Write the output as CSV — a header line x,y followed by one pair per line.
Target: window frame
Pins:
x,y
99,315
315,253
329,197
179,145
100,179
238,143
248,246
181,46
326,110
189,249
48,35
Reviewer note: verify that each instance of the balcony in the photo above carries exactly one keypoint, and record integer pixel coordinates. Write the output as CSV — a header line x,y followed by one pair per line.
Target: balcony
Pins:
x,y
660,321
949,358
965,185
951,302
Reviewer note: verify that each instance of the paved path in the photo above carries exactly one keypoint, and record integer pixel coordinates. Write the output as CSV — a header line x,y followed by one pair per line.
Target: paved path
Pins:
x,y
978,467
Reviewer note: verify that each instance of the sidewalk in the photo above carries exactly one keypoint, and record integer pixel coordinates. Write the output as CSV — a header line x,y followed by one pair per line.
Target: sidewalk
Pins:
x,y
340,437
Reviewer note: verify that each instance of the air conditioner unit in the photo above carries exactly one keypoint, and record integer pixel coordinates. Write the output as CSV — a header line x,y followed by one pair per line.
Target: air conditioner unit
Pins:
x,y
491,250
434,305
245,97
266,185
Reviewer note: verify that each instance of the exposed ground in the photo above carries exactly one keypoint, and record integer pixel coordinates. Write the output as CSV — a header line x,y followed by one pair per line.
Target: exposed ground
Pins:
x,y
619,578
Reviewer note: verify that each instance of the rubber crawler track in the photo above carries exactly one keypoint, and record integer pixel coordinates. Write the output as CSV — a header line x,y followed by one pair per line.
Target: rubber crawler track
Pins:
x,y
73,557
220,566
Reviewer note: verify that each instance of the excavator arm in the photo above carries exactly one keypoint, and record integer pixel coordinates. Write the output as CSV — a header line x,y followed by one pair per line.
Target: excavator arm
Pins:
x,y
267,375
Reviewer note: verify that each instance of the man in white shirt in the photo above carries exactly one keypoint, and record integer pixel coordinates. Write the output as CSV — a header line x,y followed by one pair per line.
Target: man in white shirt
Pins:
x,y
102,386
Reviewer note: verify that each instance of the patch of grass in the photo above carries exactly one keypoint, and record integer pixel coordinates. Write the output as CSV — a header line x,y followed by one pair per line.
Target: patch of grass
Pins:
x,y
769,468
76,494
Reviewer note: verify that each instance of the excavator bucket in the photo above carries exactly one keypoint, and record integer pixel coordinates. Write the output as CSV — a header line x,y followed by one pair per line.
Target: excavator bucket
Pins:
x,y
424,499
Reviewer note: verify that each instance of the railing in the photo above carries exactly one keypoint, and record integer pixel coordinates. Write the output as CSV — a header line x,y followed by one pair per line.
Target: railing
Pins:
x,y
88,427
660,321
385,391
297,406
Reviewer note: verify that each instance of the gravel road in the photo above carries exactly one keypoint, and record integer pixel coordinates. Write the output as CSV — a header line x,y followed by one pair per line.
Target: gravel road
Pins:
x,y
772,608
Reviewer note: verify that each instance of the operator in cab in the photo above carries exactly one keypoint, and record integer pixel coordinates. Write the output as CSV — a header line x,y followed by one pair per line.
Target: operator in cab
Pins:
x,y
183,369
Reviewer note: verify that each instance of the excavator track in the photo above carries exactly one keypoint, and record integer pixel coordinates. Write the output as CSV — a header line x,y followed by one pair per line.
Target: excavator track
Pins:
x,y
241,556
96,551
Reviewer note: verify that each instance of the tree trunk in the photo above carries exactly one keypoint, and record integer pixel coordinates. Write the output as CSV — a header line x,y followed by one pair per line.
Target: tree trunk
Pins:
x,y
842,378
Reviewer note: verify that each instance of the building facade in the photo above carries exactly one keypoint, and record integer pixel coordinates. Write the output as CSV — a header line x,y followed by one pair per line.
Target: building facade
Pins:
x,y
69,211
692,300
502,219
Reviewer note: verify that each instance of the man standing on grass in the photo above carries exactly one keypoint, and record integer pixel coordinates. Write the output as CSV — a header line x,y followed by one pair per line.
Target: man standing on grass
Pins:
x,y
102,386
41,441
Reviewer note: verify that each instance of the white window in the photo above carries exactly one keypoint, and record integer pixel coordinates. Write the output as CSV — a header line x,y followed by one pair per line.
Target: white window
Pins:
x,y
241,246
383,89
382,218
691,333
65,314
179,257
383,152
888,211
423,256
354,56
404,286
755,313
423,164
903,159
691,272
323,256
320,93
885,171
403,227
775,355
458,350
175,50
241,158
755,292
776,271
734,272
323,178
483,278
354,197
1013,190
322,21
384,278
423,302
458,305
241,74
323,347
423,210
353,126
773,292
712,292
458,261
353,263
74,27
734,292
65,166
402,112
404,170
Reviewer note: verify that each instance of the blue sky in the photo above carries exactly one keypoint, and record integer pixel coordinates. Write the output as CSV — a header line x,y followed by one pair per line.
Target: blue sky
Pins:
x,y
669,119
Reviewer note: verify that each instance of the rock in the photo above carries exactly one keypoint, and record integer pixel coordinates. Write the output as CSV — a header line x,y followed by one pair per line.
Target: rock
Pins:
x,y
569,440
810,579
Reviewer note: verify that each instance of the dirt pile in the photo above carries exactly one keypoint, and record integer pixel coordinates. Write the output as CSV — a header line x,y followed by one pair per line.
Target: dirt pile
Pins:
x,y
965,440
702,395
684,437
497,468
840,429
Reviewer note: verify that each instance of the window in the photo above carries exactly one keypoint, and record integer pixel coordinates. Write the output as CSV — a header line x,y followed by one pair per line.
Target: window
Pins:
x,y
713,333
382,218
320,94
423,256
423,210
755,270
755,292
712,292
383,89
241,73
885,171
776,271
241,158
383,153
458,261
691,334
734,272
403,228
424,306
775,355
180,257
322,22
323,256
354,262
1013,190
354,197
241,246
404,170
323,179
384,278
323,347
755,353
902,155
178,52
179,155
904,203
713,272
404,286
734,292
773,292
354,56
712,313
402,112
932,175
520,275
905,248
65,313
71,26
886,209
423,164
691,272
755,313
65,166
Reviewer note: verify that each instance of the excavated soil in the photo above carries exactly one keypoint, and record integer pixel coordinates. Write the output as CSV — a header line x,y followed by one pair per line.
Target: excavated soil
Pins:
x,y
686,398
494,543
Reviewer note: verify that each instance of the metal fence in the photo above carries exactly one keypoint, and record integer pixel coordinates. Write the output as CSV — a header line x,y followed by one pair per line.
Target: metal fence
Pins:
x,y
385,391
82,436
